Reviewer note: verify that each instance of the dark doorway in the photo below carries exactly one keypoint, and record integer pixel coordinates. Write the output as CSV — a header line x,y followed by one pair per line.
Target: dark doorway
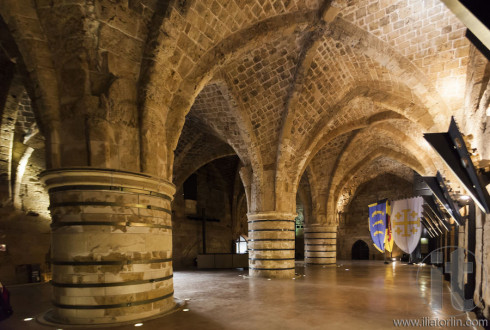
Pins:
x,y
360,251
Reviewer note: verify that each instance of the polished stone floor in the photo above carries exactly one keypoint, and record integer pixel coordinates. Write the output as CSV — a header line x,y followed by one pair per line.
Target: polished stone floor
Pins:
x,y
351,295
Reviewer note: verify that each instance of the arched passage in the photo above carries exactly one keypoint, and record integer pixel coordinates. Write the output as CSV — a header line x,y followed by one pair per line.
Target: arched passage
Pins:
x,y
360,251
207,221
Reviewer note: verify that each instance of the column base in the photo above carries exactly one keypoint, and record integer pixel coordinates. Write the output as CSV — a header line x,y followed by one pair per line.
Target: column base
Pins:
x,y
278,273
111,250
320,245
48,318
271,245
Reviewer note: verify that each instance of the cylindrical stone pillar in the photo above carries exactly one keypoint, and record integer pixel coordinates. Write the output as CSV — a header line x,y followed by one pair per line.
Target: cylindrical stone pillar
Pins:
x,y
271,245
320,245
111,245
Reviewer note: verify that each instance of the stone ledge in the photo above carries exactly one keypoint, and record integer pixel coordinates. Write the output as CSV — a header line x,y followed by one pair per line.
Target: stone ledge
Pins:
x,y
271,215
86,176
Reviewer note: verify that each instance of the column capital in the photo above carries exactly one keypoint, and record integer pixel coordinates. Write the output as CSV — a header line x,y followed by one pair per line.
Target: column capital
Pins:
x,y
271,215
116,179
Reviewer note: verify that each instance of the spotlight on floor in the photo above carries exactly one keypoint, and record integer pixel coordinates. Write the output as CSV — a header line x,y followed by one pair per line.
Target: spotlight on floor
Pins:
x,y
347,269
187,299
138,325
186,310
27,319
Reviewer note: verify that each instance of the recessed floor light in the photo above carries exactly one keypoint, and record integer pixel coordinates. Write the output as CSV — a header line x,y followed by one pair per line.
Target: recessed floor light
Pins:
x,y
27,319
138,325
186,310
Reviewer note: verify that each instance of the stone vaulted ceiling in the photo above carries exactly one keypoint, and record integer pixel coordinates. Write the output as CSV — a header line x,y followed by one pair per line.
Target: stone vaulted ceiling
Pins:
x,y
292,87
345,93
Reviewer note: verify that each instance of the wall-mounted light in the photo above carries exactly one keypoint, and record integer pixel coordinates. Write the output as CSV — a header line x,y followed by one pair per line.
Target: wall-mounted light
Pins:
x,y
3,247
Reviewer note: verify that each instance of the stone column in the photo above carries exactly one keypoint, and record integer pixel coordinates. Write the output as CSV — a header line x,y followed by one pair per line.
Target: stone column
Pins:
x,y
111,245
271,244
320,245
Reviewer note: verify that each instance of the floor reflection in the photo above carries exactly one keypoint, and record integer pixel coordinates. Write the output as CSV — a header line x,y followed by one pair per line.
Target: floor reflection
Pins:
x,y
349,295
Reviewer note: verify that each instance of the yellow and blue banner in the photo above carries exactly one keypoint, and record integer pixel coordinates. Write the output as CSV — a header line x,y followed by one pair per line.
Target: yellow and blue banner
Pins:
x,y
378,223
389,241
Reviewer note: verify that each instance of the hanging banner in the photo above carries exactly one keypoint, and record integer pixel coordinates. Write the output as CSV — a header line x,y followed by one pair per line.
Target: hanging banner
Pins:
x,y
377,224
389,232
405,223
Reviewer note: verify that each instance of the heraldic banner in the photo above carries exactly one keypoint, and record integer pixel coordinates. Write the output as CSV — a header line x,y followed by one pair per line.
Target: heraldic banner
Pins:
x,y
377,224
405,223
389,233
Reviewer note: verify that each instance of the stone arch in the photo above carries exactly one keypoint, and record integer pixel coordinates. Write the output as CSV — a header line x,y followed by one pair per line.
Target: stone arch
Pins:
x,y
360,250
382,53
8,119
243,143
24,46
396,156
174,109
202,161
381,136
354,186
324,137
200,73
429,109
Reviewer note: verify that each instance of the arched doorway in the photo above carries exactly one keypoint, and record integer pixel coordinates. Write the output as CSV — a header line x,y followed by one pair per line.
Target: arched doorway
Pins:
x,y
360,250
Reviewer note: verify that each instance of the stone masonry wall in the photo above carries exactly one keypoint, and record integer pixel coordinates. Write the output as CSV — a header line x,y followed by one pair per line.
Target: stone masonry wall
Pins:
x,y
354,226
24,215
213,196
